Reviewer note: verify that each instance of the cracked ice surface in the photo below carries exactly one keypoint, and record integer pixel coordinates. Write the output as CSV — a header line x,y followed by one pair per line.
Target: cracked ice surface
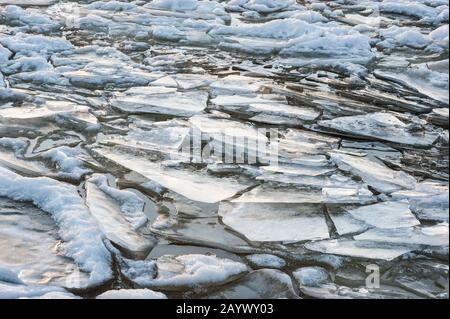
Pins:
x,y
223,148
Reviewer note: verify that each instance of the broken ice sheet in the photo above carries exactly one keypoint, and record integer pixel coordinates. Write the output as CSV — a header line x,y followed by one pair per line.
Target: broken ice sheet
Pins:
x,y
265,110
381,126
429,201
373,149
436,235
346,224
259,284
178,273
200,231
229,132
296,145
275,222
167,136
113,224
30,168
49,111
386,215
268,193
374,173
426,278
361,249
421,78
160,100
195,185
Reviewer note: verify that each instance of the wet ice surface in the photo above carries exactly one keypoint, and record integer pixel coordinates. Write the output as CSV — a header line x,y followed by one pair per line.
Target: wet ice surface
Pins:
x,y
104,106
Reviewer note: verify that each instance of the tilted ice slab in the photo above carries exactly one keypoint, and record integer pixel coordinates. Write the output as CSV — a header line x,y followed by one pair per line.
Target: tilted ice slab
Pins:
x,y
265,110
113,224
429,201
130,204
299,170
308,179
259,284
296,145
169,137
221,128
182,272
386,215
427,236
83,240
208,232
193,185
160,100
374,173
419,77
9,160
271,194
132,294
275,222
233,134
362,249
381,126
345,223
49,111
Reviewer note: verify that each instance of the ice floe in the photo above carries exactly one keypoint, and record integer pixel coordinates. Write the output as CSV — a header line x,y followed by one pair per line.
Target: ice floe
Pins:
x,y
116,228
374,173
275,222
380,126
160,100
386,215
196,185
427,236
266,261
181,272
361,249
259,284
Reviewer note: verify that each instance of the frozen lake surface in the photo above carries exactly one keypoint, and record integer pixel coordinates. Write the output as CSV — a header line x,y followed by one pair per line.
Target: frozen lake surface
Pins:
x,y
224,149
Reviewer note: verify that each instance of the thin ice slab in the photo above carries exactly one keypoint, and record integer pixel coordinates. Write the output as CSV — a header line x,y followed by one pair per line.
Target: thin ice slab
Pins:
x,y
361,249
275,222
160,100
178,273
114,225
194,185
381,126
